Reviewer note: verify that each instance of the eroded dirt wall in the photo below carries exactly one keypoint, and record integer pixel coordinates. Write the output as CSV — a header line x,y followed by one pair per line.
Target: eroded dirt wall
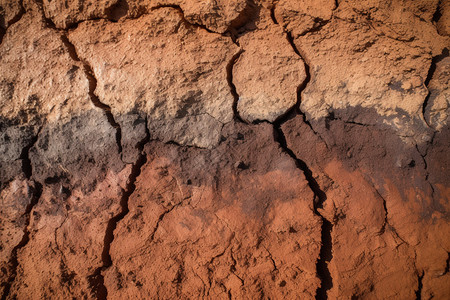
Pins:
x,y
247,149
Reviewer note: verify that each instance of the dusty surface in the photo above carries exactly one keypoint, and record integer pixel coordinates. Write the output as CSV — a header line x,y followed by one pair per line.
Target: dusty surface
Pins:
x,y
224,149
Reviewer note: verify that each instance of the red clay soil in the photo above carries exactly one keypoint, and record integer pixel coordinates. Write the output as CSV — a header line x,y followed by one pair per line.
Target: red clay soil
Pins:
x,y
248,149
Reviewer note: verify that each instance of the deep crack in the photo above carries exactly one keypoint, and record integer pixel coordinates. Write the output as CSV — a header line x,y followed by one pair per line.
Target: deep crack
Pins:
x,y
325,254
233,91
13,261
27,167
92,86
96,280
436,59
419,286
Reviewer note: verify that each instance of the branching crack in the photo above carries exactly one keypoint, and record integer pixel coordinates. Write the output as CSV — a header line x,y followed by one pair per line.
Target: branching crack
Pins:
x,y
325,254
386,220
161,217
233,268
275,268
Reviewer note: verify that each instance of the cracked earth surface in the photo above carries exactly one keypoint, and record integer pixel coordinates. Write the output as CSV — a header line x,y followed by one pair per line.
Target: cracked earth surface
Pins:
x,y
224,149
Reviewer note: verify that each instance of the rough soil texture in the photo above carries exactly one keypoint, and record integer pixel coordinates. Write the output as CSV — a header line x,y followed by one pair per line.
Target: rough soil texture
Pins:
x,y
250,149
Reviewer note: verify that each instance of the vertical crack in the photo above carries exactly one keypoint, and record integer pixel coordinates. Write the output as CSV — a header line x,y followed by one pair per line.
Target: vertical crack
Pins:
x,y
14,262
230,66
27,169
96,280
447,264
436,59
419,286
92,86
325,254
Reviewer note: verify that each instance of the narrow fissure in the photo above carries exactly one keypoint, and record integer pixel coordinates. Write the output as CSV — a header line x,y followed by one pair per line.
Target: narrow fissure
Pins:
x,y
437,14
325,254
90,77
447,265
419,286
14,262
27,169
386,221
92,86
96,279
230,66
436,59
296,109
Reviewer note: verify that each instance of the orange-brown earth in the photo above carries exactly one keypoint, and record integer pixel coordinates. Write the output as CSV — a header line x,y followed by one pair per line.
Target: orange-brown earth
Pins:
x,y
290,149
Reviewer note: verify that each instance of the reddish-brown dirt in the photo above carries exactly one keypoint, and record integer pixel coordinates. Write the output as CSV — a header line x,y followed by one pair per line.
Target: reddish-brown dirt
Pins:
x,y
248,149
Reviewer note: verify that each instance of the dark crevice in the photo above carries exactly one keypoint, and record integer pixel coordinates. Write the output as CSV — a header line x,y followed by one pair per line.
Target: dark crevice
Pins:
x,y
96,279
447,264
233,268
436,59
325,254
13,261
230,66
27,167
437,14
336,4
272,14
386,221
296,109
419,286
